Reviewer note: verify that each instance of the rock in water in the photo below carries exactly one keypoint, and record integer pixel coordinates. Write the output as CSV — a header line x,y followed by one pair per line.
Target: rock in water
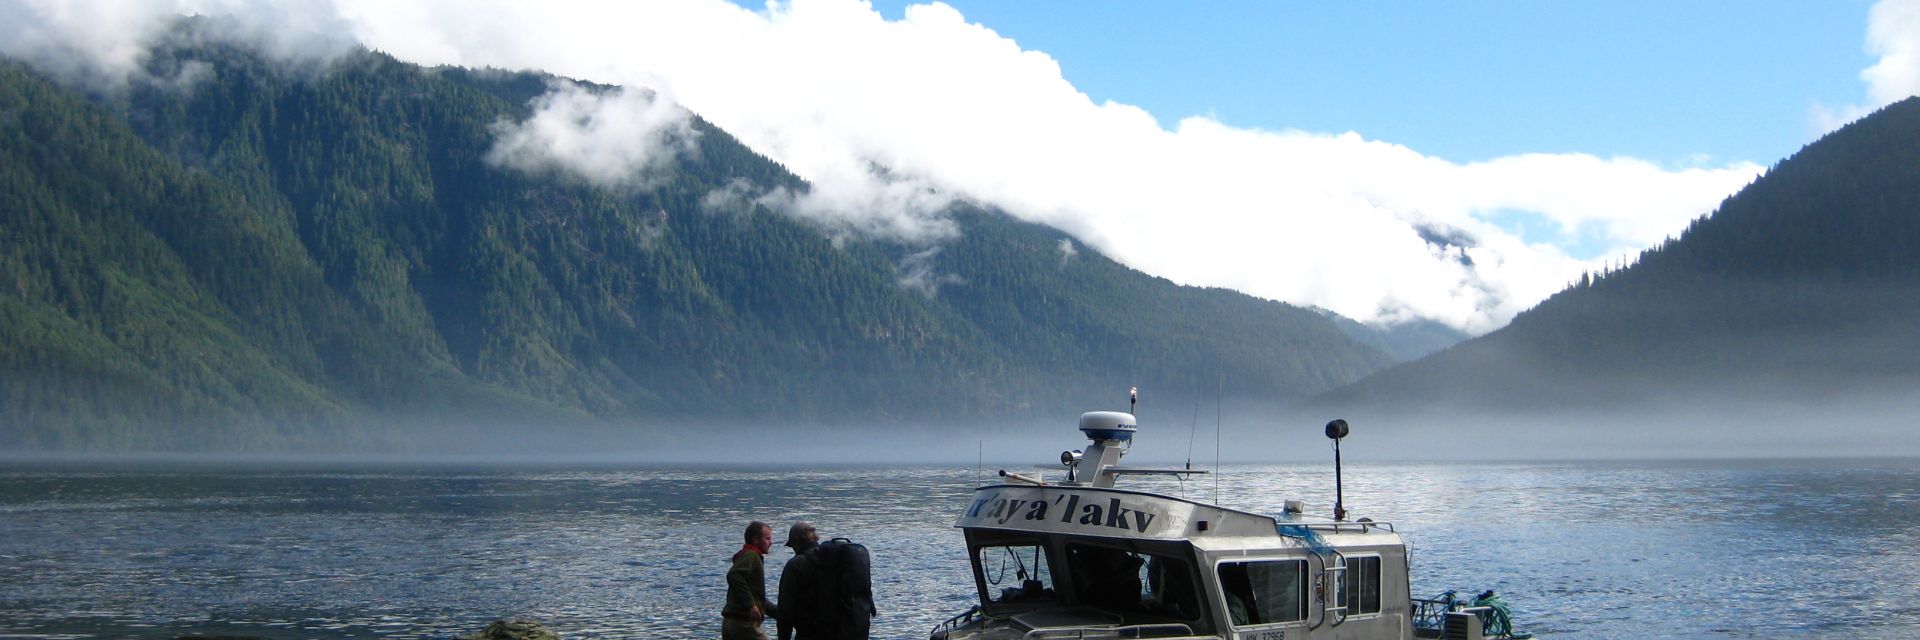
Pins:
x,y
513,630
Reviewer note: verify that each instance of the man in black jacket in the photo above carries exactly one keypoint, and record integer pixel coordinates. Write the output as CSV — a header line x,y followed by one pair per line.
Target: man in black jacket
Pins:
x,y
797,608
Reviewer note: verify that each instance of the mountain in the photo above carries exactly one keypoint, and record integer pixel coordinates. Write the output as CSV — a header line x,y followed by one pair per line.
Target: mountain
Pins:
x,y
1800,292
251,255
1405,341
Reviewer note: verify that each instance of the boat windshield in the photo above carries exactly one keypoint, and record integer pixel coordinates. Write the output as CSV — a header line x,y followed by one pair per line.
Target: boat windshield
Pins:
x,y
1015,573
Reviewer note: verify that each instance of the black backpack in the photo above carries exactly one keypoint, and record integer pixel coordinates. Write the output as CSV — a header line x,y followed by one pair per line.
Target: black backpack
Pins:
x,y
843,575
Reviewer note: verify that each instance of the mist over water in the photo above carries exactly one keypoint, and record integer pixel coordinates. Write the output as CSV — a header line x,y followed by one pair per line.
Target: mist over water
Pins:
x,y
1582,549
1175,431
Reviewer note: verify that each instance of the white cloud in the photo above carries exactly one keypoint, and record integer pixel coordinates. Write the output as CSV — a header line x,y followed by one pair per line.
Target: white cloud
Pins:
x,y
98,42
1893,34
918,273
625,137
892,120
870,203
1893,38
103,43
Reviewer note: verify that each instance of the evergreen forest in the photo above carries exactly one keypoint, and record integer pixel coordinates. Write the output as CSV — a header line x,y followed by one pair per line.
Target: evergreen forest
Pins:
x,y
272,257
1801,290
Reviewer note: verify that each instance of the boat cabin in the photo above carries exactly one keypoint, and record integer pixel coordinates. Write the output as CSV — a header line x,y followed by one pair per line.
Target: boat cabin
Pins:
x,y
1082,558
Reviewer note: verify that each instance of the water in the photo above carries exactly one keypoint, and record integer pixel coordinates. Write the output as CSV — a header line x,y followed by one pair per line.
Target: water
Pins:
x,y
1668,549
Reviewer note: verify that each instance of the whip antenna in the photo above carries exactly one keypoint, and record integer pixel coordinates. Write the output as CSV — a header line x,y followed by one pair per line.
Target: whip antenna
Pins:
x,y
1217,384
1193,427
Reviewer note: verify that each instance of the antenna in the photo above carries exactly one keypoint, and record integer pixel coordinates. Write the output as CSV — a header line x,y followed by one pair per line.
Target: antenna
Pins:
x,y
1133,398
1217,383
979,460
1336,430
1193,427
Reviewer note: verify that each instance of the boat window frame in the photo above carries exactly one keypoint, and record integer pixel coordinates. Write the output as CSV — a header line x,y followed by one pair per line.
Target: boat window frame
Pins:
x,y
980,539
1306,593
1379,585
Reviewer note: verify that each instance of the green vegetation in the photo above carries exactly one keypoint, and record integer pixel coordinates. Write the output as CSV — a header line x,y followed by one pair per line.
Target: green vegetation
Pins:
x,y
276,259
1803,286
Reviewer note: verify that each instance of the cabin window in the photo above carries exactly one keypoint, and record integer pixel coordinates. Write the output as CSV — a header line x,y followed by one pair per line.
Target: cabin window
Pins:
x,y
1265,592
1360,585
1134,581
1015,573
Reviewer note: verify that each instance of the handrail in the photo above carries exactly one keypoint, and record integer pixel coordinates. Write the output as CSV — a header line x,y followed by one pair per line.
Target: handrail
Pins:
x,y
1431,613
1320,589
1144,471
1342,527
960,620
1338,587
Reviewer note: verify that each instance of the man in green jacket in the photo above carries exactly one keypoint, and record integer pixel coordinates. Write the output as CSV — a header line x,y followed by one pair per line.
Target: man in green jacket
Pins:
x,y
747,587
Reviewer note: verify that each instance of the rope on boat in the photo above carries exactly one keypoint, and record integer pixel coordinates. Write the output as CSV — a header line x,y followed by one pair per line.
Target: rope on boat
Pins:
x,y
1497,620
1305,534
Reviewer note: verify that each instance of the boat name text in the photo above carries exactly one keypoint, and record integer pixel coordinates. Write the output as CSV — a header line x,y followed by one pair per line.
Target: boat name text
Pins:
x,y
1069,508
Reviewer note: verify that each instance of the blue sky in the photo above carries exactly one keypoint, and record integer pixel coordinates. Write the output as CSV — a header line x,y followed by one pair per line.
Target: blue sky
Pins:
x,y
1466,81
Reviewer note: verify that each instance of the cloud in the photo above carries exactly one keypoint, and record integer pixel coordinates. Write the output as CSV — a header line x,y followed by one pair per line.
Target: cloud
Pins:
x,y
893,120
918,272
102,44
621,138
1893,39
902,210
869,202
1893,34
98,42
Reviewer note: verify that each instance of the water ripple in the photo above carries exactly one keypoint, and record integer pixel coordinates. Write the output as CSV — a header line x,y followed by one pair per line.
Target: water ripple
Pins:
x,y
1581,549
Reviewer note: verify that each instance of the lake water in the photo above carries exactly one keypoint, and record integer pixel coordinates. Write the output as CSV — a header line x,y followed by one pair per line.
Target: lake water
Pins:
x,y
1587,550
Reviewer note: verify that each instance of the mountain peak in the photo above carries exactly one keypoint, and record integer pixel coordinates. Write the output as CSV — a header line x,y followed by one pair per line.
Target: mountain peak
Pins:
x,y
1795,298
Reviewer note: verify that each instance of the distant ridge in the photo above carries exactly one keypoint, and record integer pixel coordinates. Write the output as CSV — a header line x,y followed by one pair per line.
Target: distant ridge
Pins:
x,y
1403,342
1802,290
271,260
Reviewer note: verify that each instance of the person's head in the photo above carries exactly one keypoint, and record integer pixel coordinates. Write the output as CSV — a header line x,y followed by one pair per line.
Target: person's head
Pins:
x,y
759,536
801,536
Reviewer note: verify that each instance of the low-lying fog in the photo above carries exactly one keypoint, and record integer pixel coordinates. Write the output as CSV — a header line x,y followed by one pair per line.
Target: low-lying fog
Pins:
x,y
1851,426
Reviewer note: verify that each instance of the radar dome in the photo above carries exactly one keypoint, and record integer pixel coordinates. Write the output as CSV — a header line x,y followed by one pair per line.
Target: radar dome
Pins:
x,y
1101,426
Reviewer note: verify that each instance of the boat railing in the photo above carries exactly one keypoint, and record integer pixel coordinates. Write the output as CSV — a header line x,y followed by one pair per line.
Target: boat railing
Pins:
x,y
1158,630
972,613
1431,613
1349,527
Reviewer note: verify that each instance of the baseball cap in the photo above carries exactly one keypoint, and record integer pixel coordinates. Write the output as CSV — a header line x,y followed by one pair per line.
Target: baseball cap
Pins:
x,y
797,534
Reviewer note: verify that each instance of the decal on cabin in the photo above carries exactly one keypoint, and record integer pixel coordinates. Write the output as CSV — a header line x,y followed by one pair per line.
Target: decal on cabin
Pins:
x,y
1077,511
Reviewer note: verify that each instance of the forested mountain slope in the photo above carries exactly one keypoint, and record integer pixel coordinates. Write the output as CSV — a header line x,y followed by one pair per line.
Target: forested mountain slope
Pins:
x,y
1802,288
264,257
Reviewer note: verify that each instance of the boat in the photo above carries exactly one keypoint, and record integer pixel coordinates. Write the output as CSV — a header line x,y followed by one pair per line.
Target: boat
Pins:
x,y
1079,557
